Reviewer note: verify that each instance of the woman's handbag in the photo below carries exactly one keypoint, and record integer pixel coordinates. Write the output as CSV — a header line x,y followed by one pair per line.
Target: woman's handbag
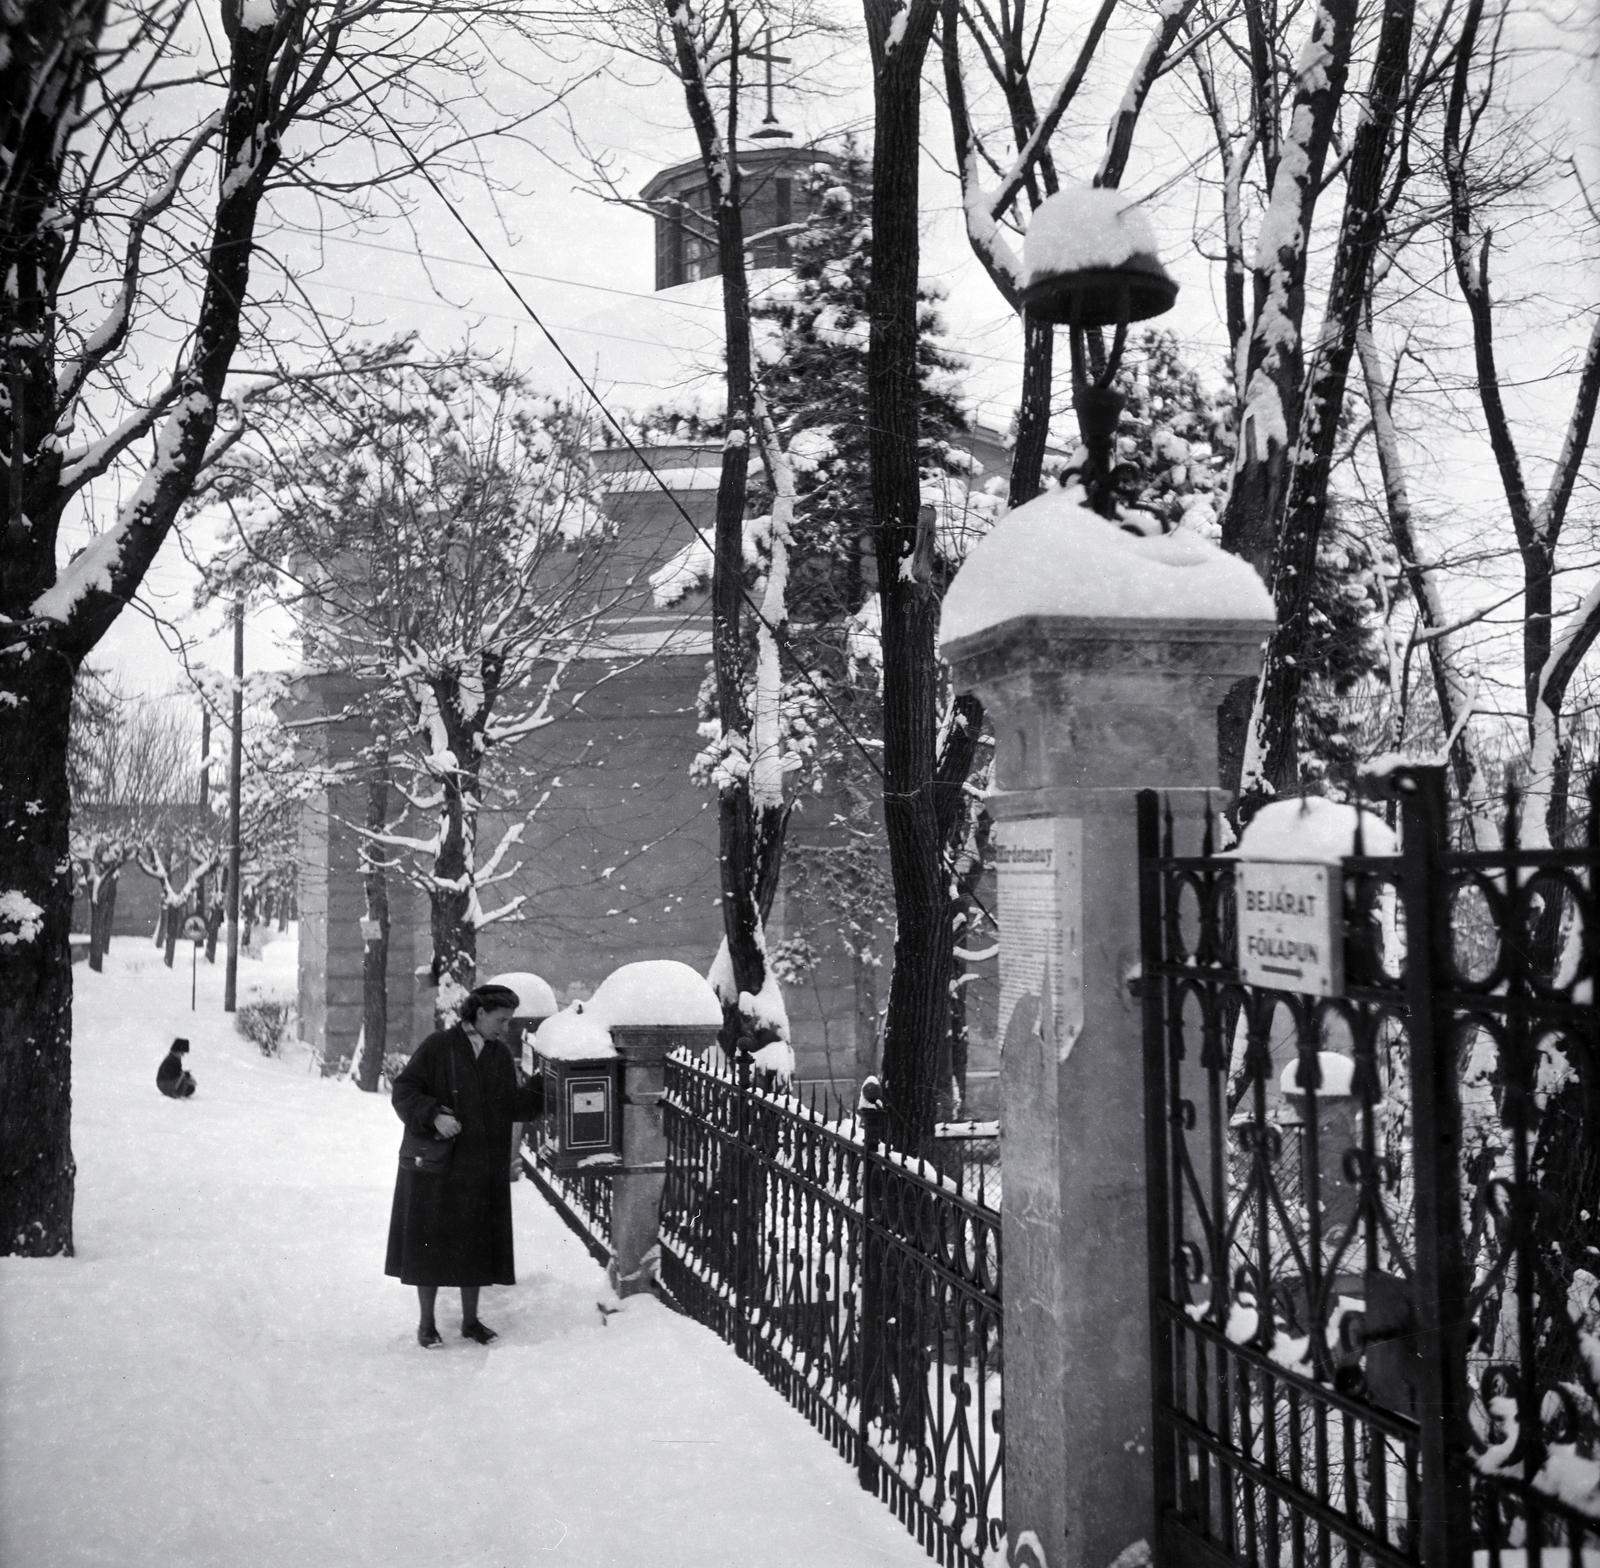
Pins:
x,y
427,1153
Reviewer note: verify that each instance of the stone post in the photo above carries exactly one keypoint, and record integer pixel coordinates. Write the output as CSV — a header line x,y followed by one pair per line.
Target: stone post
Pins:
x,y
636,1186
1086,710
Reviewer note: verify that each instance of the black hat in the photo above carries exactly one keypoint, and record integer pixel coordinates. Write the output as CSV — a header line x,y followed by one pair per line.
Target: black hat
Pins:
x,y
179,1046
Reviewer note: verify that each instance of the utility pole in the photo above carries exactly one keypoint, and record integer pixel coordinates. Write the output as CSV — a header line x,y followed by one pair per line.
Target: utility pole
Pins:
x,y
202,904
230,986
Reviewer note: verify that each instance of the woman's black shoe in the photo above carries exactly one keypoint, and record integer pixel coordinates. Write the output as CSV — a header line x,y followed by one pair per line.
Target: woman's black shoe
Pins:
x,y
479,1332
429,1337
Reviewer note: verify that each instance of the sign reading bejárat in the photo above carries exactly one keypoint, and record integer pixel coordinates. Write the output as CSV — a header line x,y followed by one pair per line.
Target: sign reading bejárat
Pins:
x,y
1291,930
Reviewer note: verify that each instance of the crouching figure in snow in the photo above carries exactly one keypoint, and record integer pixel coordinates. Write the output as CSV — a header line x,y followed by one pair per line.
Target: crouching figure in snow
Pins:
x,y
452,1225
171,1078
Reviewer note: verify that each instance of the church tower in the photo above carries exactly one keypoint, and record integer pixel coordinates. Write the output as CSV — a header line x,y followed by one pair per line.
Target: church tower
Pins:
x,y
773,186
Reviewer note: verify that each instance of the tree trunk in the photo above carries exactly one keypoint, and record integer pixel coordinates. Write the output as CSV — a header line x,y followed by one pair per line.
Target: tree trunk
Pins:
x,y
1272,373
215,916
375,954
919,991
108,911
172,922
102,916
864,976
455,939
46,54
1291,653
1033,412
36,1166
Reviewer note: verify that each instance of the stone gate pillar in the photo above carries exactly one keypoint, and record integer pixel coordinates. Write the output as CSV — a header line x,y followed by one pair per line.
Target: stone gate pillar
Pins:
x,y
1101,659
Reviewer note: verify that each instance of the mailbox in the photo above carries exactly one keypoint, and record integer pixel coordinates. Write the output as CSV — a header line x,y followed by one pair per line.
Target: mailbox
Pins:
x,y
582,1124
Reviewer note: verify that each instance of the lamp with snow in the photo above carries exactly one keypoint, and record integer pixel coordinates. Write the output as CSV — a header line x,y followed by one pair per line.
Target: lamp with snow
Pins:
x,y
1089,262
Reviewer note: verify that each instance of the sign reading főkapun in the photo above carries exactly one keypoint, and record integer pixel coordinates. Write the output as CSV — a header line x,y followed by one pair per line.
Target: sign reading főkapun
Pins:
x,y
1291,930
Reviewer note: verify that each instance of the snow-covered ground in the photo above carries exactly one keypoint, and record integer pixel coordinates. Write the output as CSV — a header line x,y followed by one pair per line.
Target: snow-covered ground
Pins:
x,y
224,1377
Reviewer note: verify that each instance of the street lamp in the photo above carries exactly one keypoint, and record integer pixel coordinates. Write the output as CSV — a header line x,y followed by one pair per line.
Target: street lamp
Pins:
x,y
1090,261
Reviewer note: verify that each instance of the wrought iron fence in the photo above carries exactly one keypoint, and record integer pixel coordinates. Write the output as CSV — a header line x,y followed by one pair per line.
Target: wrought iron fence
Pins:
x,y
866,1290
1377,1314
969,1153
582,1200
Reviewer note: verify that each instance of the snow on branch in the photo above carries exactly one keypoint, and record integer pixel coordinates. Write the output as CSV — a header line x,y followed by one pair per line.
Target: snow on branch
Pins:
x,y
1171,17
767,761
1016,177
99,344
99,567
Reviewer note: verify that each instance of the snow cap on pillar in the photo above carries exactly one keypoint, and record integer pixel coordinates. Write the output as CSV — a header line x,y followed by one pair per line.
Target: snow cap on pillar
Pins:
x,y
1313,828
656,991
535,999
1055,559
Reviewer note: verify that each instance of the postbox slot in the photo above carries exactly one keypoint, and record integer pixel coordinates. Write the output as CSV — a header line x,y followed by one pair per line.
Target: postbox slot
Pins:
x,y
588,1113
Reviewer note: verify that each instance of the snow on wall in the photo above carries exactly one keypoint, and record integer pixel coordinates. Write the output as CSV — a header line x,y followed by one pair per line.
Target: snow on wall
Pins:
x,y
1080,228
655,991
1313,828
535,999
574,1035
1055,557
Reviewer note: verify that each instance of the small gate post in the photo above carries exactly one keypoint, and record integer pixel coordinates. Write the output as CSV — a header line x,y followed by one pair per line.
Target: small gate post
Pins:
x,y
637,1186
1087,707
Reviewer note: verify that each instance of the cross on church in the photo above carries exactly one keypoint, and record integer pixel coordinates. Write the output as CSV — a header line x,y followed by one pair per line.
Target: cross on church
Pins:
x,y
770,129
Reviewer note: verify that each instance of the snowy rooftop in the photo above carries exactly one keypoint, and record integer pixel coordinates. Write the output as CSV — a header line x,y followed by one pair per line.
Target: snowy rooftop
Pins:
x,y
574,1035
535,999
1313,828
656,991
1055,557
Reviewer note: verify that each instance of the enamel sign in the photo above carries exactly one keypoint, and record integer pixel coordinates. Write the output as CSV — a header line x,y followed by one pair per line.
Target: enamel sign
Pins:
x,y
1291,931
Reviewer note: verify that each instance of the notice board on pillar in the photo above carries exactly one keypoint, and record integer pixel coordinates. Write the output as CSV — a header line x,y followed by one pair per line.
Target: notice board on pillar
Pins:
x,y
1039,876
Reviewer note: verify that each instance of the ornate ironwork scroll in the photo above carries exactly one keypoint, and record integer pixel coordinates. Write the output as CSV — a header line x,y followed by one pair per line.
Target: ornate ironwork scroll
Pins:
x,y
864,1289
1375,1219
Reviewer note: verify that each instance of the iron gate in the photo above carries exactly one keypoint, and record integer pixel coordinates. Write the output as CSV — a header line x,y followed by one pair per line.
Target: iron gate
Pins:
x,y
1375,1293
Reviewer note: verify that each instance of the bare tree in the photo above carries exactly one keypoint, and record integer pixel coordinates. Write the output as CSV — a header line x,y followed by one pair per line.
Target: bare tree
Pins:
x,y
713,52
436,531
1550,656
138,162
131,765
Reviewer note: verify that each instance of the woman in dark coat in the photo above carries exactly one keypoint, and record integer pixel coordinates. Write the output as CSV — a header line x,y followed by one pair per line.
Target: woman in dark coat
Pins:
x,y
455,1228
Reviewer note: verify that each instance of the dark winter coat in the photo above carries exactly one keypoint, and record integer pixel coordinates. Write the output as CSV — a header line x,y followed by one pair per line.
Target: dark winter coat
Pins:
x,y
172,1080
455,1229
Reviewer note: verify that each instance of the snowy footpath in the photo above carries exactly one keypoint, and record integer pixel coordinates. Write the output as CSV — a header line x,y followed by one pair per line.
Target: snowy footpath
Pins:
x,y
224,1377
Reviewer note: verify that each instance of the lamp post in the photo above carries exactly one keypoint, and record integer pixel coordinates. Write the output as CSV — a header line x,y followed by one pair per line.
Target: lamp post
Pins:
x,y
1090,262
